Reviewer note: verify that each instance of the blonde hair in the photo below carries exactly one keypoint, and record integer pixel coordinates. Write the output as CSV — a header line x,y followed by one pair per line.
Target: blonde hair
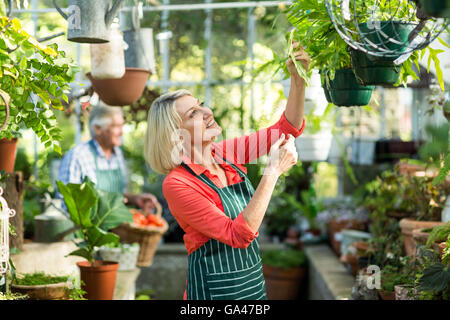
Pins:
x,y
163,146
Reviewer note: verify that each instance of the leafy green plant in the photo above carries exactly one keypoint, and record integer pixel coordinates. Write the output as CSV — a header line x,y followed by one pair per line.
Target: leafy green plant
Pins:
x,y
93,212
393,275
285,258
34,78
432,277
438,234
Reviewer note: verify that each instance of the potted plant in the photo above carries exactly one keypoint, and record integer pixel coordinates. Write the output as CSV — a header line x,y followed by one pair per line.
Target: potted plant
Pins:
x,y
429,200
42,286
34,79
284,271
94,212
391,276
433,275
328,52
339,216
379,70
432,237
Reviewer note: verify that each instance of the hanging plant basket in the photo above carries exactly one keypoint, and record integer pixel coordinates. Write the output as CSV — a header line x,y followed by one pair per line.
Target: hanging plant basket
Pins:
x,y
346,91
397,33
371,70
123,91
436,8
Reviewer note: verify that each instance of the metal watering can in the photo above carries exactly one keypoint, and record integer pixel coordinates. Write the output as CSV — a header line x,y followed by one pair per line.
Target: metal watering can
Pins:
x,y
140,51
88,20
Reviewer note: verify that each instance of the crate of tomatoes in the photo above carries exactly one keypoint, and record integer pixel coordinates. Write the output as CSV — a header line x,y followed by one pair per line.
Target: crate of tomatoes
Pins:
x,y
147,230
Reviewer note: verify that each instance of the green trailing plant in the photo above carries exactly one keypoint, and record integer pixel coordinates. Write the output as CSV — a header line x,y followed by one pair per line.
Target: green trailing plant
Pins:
x,y
284,259
34,78
94,212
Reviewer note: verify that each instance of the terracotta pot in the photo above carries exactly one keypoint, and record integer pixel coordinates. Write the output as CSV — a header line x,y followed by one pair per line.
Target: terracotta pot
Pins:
x,y
335,227
99,280
54,291
402,292
408,225
420,237
8,150
123,91
283,284
384,295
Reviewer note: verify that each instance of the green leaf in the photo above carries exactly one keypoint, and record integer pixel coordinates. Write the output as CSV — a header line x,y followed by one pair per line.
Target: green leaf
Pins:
x,y
84,253
111,211
435,278
98,237
80,200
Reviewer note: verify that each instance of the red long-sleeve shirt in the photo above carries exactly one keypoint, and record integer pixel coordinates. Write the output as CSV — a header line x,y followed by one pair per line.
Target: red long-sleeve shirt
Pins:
x,y
198,208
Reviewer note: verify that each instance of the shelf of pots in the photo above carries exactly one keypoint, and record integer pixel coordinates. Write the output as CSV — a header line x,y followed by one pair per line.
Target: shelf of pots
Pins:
x,y
404,202
340,216
35,80
94,212
429,200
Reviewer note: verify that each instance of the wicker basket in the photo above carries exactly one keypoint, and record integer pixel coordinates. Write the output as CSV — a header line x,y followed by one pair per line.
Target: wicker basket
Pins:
x,y
147,237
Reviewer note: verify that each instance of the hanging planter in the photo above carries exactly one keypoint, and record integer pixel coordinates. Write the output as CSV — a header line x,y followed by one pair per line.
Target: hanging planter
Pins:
x,y
314,147
371,70
89,21
123,91
107,59
346,91
436,8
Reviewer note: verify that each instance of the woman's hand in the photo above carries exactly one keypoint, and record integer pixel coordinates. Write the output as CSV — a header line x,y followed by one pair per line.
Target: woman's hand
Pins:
x,y
300,55
283,155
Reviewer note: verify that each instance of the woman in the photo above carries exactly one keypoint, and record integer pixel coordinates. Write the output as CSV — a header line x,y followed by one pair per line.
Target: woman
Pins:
x,y
209,193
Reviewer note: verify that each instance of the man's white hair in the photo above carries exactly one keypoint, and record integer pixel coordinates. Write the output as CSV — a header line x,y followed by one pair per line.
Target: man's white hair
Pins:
x,y
101,115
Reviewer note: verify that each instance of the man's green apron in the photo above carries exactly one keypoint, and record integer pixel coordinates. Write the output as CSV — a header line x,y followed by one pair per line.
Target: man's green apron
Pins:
x,y
110,180
217,271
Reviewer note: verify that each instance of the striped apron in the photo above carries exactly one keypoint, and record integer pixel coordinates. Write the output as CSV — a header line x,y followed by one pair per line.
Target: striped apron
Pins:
x,y
109,180
217,271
